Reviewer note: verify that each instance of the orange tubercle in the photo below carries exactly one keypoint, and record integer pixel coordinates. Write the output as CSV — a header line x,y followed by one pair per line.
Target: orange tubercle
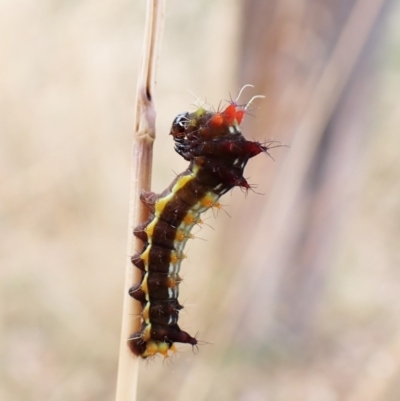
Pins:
x,y
180,235
174,258
189,219
207,201
217,206
217,120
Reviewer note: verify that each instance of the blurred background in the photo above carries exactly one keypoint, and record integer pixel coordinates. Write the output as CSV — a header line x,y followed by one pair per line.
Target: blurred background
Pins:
x,y
296,288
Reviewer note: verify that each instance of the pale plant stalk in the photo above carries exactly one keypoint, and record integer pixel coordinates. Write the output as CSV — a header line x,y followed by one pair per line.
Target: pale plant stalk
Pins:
x,y
143,138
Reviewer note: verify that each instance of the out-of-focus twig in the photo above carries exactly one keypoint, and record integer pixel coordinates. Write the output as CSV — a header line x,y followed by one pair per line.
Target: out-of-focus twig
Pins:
x,y
144,135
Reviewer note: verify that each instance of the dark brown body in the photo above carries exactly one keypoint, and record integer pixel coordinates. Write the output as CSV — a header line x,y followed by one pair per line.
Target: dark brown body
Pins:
x,y
218,153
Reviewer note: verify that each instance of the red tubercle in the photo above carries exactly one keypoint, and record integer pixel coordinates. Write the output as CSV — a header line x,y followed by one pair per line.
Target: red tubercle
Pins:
x,y
232,113
239,115
229,114
242,182
254,148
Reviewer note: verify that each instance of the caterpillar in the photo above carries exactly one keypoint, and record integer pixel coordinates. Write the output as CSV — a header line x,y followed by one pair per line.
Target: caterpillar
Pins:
x,y
217,152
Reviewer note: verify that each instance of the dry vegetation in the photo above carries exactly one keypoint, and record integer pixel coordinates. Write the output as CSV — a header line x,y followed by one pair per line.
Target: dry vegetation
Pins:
x,y
67,85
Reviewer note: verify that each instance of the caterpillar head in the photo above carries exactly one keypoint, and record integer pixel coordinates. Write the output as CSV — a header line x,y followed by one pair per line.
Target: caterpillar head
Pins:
x,y
213,134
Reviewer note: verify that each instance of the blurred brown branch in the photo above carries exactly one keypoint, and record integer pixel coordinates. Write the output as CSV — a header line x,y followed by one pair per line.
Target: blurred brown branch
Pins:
x,y
314,63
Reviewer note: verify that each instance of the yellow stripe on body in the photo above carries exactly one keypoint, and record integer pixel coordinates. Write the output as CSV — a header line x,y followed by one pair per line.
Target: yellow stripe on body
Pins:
x,y
147,333
182,234
162,202
149,230
146,313
145,287
145,257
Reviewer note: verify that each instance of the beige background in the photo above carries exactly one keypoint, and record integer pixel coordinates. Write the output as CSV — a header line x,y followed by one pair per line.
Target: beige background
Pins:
x,y
67,87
